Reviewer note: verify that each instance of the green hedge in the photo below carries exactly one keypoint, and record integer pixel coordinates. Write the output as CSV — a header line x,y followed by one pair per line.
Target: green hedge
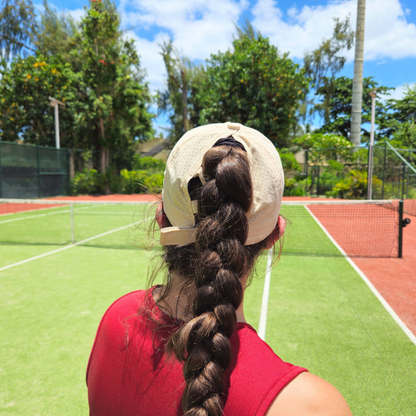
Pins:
x,y
90,182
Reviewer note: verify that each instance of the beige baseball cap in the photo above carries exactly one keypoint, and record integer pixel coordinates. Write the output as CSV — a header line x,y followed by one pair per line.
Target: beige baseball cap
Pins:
x,y
185,163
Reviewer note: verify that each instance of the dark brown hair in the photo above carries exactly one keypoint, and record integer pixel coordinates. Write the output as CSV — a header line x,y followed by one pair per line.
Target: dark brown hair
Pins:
x,y
214,267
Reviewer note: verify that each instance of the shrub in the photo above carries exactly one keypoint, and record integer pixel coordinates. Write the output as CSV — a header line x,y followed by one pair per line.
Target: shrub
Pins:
x,y
148,163
289,161
88,182
140,181
294,187
354,186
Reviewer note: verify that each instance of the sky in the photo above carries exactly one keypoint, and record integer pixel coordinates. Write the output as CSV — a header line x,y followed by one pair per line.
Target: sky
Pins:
x,y
200,28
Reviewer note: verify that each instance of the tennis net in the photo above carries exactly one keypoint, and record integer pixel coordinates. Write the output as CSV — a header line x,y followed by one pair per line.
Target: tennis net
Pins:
x,y
315,228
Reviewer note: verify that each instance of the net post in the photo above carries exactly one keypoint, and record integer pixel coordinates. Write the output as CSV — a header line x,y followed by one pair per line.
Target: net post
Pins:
x,y
72,223
400,229
403,179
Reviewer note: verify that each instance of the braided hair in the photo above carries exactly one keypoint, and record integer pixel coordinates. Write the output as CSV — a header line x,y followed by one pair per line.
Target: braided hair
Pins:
x,y
215,265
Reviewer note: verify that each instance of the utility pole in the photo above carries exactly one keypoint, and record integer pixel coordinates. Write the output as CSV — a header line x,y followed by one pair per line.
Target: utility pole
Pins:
x,y
357,86
55,103
373,95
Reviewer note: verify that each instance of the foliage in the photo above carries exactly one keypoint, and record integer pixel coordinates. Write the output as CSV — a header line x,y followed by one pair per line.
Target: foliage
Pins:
x,y
128,182
339,116
253,85
140,181
294,188
148,163
17,25
246,30
106,100
324,147
25,110
116,99
56,35
325,62
88,182
399,122
354,186
178,100
289,161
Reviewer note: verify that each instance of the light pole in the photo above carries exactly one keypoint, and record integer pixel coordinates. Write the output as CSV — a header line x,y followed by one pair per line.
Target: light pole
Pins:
x,y
373,95
55,103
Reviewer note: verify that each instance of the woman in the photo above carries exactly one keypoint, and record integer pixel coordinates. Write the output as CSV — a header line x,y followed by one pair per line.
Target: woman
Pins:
x,y
185,347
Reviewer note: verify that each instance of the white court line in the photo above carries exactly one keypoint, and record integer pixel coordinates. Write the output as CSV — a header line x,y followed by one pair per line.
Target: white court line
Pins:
x,y
389,309
33,216
69,246
265,300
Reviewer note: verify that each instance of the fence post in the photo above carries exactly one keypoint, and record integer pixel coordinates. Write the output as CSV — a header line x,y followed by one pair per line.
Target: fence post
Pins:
x,y
400,229
39,184
72,223
306,170
403,179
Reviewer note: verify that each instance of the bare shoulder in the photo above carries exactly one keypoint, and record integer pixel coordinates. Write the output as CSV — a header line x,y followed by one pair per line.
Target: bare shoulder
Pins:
x,y
309,395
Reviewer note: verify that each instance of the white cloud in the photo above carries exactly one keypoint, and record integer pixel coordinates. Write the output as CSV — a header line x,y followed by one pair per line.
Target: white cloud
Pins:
x,y
399,92
151,60
77,14
388,34
198,27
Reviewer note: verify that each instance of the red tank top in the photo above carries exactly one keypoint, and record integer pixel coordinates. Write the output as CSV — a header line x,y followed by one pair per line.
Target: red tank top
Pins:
x,y
128,373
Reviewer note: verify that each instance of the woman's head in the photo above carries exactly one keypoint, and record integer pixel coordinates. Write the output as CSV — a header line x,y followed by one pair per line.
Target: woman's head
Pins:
x,y
219,213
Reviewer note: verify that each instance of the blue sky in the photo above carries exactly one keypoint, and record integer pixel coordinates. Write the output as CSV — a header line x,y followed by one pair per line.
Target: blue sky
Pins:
x,y
202,27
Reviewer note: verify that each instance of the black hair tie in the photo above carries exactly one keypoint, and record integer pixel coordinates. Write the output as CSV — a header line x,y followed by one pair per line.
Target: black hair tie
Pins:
x,y
229,141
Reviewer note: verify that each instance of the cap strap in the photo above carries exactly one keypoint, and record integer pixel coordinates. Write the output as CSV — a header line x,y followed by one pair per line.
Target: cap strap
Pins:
x,y
229,141
172,236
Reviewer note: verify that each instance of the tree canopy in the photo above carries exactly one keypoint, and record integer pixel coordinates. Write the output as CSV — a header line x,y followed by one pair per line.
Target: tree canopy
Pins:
x,y
253,85
339,117
106,98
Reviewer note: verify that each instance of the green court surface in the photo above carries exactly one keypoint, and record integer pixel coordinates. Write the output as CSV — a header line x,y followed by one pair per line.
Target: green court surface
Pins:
x,y
321,315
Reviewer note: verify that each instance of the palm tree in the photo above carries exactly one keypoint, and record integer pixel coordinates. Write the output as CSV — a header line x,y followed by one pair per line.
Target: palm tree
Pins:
x,y
357,88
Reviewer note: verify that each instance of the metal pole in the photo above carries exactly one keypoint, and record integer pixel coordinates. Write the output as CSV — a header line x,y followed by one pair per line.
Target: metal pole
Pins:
x,y
370,154
72,224
57,139
403,180
39,182
400,229
384,170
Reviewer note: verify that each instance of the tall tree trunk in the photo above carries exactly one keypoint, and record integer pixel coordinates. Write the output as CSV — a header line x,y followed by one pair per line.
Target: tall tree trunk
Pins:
x,y
185,102
357,86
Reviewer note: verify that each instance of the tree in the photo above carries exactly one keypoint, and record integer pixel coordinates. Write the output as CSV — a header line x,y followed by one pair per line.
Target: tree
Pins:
x,y
322,65
253,85
17,25
183,79
246,30
115,106
25,112
357,90
56,35
400,120
339,118
106,100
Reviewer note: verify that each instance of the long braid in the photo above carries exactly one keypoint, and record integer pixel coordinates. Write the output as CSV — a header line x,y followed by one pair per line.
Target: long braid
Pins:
x,y
221,261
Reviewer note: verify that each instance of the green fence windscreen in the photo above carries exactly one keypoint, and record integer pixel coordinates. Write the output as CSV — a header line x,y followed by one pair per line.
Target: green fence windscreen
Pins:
x,y
33,171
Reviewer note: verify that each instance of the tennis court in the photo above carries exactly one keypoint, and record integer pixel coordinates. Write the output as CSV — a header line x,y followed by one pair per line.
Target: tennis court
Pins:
x,y
62,265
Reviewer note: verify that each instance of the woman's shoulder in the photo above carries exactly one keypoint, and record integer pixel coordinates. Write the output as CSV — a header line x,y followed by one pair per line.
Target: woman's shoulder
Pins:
x,y
310,395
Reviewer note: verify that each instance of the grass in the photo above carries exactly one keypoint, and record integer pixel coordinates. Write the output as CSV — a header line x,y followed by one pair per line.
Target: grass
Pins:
x,y
321,316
